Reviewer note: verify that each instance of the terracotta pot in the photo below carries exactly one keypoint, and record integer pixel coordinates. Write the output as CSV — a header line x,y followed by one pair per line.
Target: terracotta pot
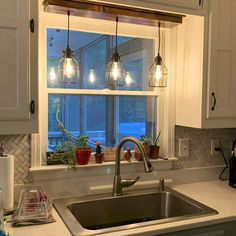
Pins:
x,y
154,151
83,155
137,153
99,157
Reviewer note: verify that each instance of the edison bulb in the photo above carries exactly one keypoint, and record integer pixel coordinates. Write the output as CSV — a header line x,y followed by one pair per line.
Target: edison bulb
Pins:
x,y
68,68
92,76
158,72
115,71
52,74
128,78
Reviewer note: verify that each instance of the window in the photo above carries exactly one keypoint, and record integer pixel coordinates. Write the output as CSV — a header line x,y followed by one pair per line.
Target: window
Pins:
x,y
88,107
107,118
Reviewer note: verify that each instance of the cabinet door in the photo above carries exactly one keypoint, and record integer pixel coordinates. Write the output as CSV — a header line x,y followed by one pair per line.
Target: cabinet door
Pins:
x,y
14,60
222,60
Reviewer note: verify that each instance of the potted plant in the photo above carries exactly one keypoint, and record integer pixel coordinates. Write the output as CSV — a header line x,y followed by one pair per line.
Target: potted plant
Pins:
x,y
146,141
66,154
154,148
98,153
83,152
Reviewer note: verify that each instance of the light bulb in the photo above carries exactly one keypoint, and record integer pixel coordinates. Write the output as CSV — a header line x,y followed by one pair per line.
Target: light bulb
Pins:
x,y
115,71
92,76
68,68
52,74
158,72
128,78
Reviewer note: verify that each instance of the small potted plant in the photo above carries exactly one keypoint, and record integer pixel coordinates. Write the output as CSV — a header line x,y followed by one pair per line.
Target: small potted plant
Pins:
x,y
154,148
66,154
83,152
145,140
98,153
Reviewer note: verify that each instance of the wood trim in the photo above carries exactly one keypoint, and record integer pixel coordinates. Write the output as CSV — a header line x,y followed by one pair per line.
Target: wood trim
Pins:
x,y
107,11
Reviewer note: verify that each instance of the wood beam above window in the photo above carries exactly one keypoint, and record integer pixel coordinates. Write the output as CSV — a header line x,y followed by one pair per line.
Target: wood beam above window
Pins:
x,y
107,11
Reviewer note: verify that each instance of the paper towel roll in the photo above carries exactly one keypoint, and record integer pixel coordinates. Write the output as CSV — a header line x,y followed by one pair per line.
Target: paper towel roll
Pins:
x,y
7,181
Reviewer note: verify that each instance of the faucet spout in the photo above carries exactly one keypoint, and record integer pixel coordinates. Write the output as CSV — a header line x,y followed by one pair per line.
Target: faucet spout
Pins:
x,y
118,183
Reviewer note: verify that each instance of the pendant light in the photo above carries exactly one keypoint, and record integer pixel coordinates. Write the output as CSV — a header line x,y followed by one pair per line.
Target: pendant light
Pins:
x,y
158,71
115,73
68,67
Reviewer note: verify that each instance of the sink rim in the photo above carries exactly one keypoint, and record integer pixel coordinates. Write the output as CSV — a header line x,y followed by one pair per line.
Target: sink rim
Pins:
x,y
61,206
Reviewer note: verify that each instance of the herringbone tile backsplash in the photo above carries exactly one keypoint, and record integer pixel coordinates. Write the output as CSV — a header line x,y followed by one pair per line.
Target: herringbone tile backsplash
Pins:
x,y
19,146
200,146
199,140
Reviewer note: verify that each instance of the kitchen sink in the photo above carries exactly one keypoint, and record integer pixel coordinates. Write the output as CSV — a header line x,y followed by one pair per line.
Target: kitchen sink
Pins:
x,y
102,213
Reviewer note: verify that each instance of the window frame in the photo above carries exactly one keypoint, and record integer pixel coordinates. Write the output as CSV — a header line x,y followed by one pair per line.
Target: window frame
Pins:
x,y
50,20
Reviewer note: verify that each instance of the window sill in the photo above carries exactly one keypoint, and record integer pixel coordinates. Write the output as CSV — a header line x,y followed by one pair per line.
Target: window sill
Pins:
x,y
158,164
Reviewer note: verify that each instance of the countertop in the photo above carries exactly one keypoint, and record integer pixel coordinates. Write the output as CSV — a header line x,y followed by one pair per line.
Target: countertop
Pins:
x,y
215,194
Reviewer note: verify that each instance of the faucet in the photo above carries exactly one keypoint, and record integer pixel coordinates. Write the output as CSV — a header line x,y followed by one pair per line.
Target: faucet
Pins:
x,y
118,183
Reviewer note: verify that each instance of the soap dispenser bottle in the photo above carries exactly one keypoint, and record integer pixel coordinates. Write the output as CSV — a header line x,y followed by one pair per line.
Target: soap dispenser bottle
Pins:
x,y
232,167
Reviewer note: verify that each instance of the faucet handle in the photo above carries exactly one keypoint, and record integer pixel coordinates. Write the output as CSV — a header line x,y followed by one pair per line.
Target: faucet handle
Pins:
x,y
129,182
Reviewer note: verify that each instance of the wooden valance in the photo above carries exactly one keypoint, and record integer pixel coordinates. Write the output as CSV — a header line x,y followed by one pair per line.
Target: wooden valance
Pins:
x,y
109,11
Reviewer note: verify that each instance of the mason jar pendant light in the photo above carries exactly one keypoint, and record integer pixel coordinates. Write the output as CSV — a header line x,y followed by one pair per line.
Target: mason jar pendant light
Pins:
x,y
158,71
115,73
68,67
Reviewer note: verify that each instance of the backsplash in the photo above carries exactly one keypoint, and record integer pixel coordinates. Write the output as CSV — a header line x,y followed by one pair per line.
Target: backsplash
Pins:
x,y
199,140
200,146
19,146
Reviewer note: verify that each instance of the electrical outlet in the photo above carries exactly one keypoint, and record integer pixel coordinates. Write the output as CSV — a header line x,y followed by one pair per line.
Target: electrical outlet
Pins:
x,y
183,147
215,143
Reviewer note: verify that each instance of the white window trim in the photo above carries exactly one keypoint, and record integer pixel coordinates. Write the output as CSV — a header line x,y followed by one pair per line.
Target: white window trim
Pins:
x,y
166,101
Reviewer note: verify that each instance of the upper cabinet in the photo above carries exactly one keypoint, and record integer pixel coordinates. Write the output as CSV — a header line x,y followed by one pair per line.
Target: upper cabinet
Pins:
x,y
18,66
206,72
186,4
195,7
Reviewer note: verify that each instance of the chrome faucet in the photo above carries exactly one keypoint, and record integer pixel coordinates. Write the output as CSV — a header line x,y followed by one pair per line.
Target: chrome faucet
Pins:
x,y
118,183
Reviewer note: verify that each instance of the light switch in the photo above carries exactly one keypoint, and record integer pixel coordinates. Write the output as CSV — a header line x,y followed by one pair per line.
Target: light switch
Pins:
x,y
183,147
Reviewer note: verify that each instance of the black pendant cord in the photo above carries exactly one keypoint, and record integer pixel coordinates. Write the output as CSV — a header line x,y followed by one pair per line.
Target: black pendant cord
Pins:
x,y
116,33
159,37
68,29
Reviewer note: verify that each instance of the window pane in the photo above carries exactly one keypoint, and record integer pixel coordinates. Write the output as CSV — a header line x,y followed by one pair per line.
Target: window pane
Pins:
x,y
93,51
104,118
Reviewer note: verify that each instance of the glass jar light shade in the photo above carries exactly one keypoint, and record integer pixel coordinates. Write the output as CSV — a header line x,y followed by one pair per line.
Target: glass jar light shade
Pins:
x,y
68,68
115,73
158,73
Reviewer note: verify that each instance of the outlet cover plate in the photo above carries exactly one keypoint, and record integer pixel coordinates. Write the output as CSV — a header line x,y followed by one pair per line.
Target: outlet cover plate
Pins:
x,y
183,147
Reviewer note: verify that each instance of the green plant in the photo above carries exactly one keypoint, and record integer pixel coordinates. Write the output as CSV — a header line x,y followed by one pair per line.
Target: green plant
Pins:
x,y
82,139
145,139
98,147
68,150
156,141
149,140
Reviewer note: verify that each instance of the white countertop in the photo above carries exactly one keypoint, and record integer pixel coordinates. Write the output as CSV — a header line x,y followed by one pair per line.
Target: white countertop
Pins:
x,y
215,194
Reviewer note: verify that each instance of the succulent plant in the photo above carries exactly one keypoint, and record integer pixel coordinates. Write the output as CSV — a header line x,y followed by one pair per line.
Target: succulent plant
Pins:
x,y
98,147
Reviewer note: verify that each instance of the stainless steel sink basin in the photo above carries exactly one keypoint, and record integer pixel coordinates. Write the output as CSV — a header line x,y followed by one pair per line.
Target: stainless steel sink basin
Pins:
x,y
102,213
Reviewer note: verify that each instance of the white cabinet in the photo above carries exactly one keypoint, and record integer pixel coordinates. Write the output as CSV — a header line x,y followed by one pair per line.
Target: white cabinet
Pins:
x,y
206,72
195,7
18,66
222,60
187,4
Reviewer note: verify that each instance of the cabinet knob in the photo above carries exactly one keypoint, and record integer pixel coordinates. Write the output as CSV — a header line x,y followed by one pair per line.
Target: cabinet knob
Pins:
x,y
214,101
